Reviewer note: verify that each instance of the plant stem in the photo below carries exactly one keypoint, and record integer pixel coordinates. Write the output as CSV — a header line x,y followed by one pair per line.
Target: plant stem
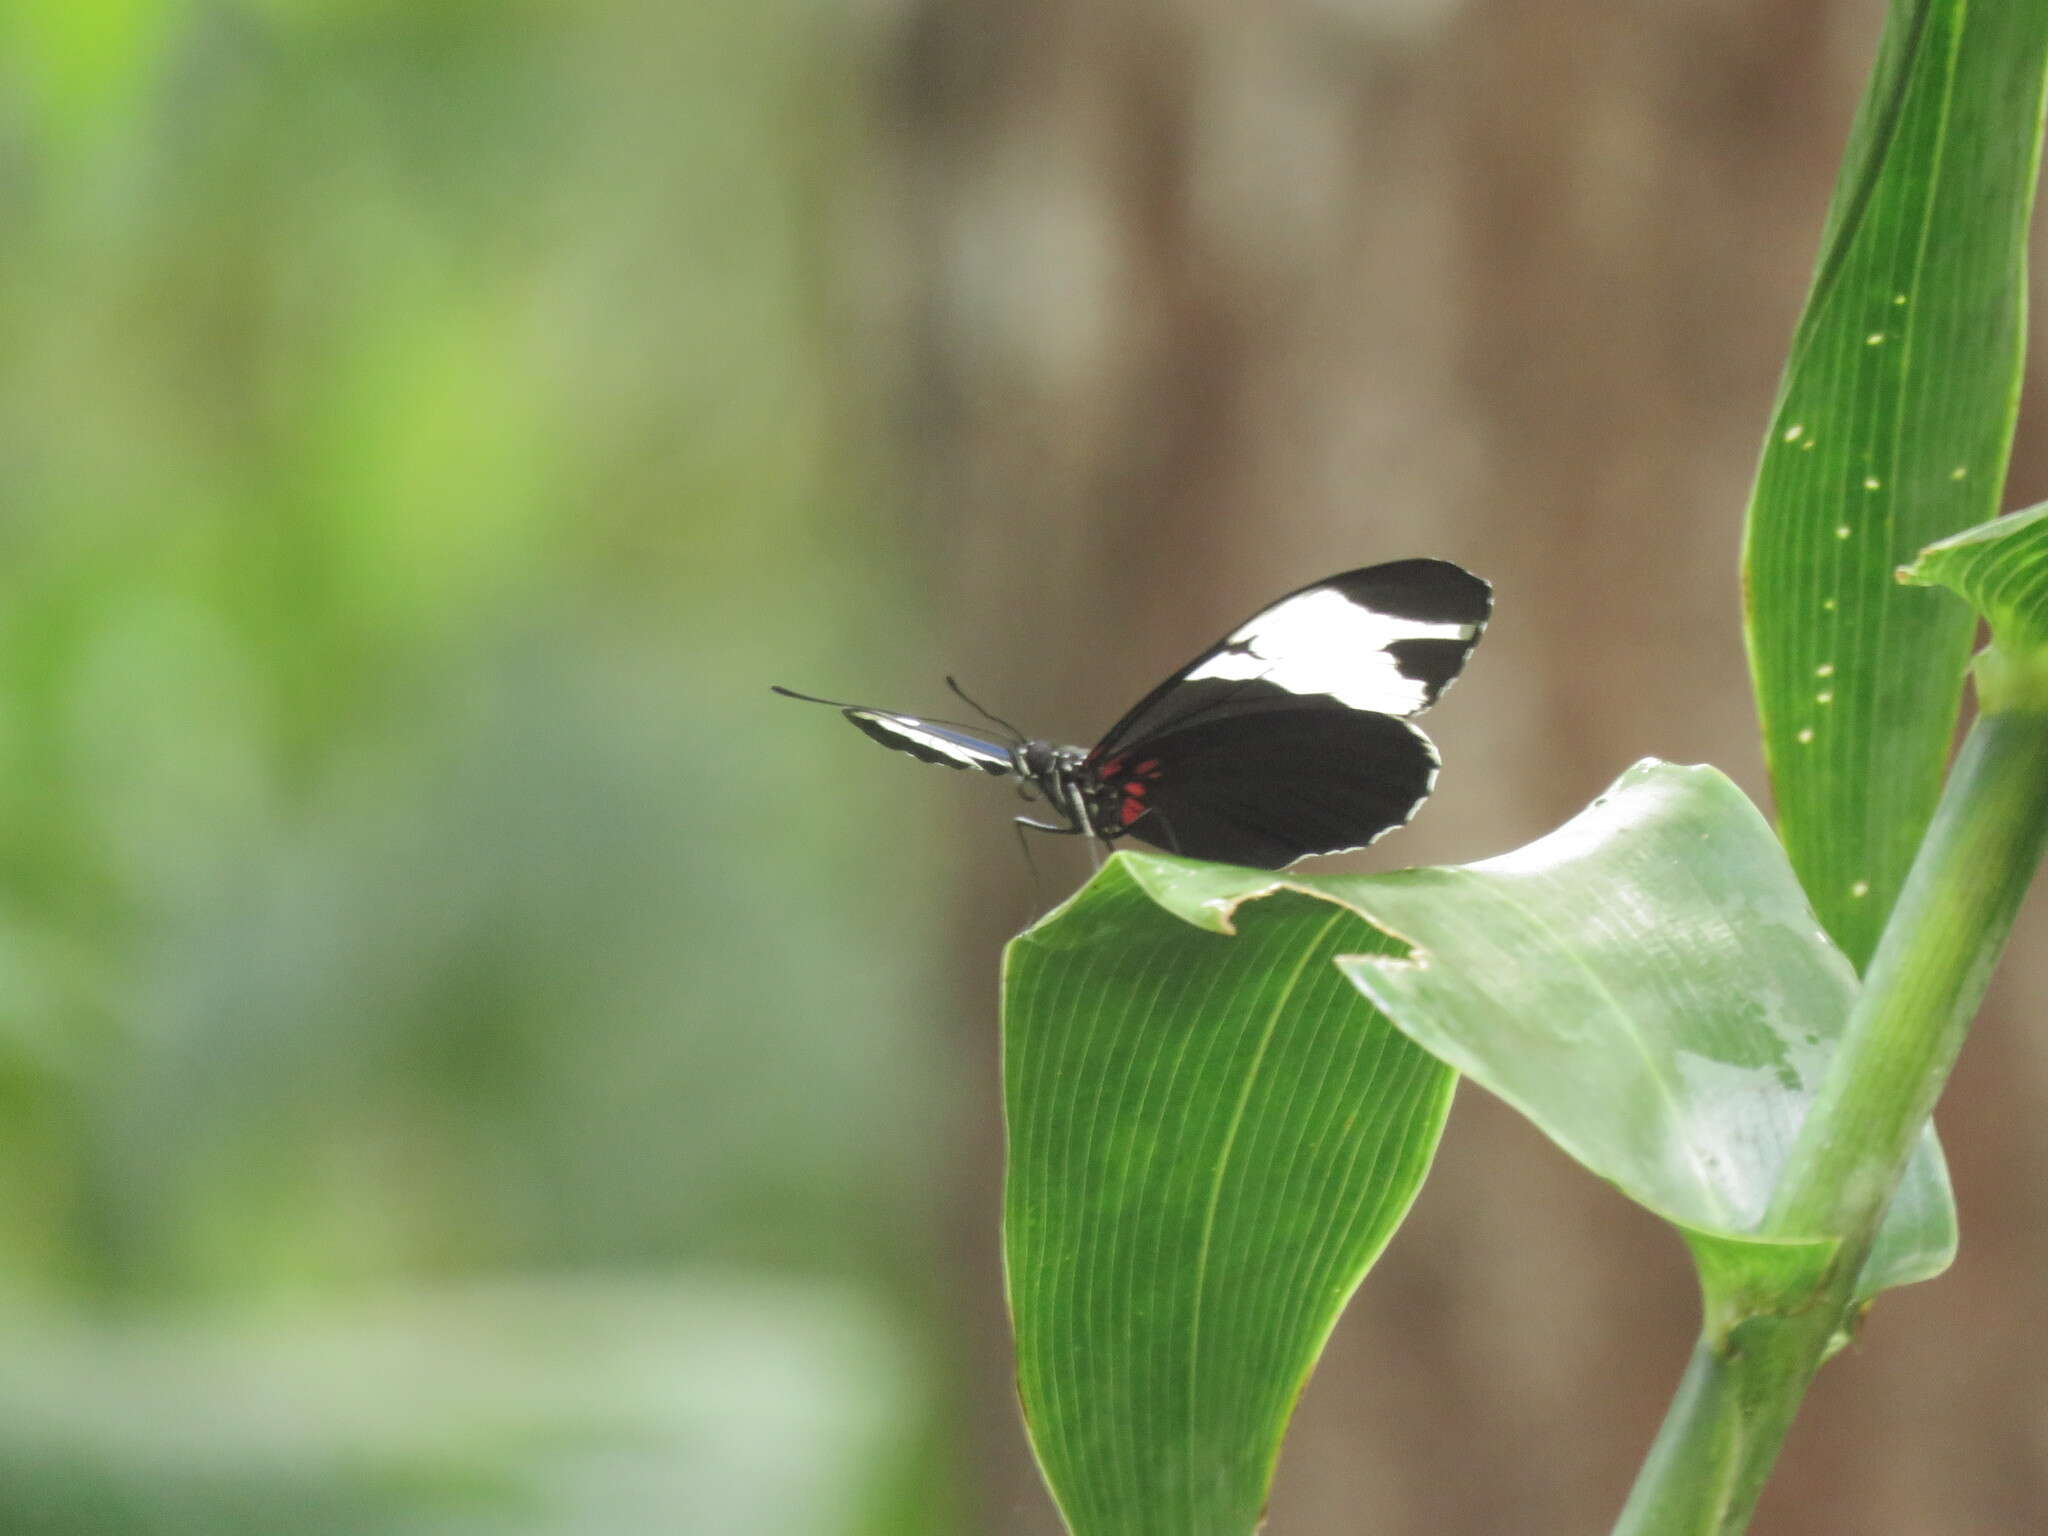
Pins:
x,y
1748,1374
1724,1426
1924,984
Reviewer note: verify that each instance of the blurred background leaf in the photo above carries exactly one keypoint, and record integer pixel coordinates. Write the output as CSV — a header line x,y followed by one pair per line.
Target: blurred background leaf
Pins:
x,y
550,1407
398,404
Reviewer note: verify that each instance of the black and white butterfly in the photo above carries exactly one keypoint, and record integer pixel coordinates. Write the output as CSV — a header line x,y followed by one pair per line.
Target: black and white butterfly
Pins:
x,y
1287,737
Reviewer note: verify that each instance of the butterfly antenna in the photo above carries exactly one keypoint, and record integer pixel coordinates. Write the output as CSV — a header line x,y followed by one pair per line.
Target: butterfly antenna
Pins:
x,y
869,709
961,694
812,698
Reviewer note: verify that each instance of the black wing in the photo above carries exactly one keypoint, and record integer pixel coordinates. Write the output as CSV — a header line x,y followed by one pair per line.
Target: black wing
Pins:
x,y
1289,736
1269,788
1387,638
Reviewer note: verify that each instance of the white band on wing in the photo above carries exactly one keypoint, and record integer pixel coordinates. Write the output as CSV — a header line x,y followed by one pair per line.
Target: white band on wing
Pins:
x,y
1321,642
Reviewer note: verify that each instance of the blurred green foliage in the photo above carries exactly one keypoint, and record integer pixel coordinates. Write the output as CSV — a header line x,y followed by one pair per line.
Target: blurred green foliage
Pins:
x,y
420,444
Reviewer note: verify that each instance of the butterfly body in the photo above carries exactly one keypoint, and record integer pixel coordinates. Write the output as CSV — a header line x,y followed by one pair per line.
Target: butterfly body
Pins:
x,y
1289,736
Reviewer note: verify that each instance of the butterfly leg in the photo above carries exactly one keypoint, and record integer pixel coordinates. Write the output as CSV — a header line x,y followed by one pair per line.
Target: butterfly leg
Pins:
x,y
1021,822
1053,827
1073,826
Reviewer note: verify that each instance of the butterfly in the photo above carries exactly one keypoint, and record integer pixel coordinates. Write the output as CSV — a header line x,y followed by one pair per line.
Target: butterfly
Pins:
x,y
1289,736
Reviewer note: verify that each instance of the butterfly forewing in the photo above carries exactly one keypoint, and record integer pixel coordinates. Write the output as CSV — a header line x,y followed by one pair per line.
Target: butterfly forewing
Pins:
x,y
1387,638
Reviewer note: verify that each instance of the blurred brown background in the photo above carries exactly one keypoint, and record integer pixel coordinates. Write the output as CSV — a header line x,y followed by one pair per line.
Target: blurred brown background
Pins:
x,y
472,1061
1206,299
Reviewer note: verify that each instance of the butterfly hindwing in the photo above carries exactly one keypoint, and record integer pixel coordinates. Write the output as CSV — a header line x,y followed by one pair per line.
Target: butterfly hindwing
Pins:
x,y
1268,788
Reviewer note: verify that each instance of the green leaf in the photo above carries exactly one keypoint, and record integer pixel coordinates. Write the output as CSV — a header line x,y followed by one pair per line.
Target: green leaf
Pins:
x,y
1212,1135
1649,985
1210,1139
2001,570
1892,429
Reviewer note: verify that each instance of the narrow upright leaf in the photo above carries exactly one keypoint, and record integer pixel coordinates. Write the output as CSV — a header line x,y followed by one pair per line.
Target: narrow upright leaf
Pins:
x,y
1892,429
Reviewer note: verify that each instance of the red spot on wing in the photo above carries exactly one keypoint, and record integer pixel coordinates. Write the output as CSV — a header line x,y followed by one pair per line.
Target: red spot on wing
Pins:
x,y
1133,808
